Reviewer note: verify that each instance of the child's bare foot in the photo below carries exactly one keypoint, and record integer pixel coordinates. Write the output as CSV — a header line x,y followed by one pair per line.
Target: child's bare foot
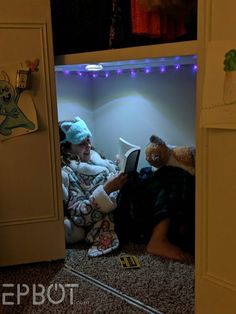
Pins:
x,y
159,244
164,248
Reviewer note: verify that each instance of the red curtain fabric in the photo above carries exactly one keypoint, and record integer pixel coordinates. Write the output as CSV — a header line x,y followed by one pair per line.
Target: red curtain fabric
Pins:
x,y
144,22
155,23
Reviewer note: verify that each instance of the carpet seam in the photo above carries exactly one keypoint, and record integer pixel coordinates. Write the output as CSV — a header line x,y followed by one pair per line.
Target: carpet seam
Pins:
x,y
113,291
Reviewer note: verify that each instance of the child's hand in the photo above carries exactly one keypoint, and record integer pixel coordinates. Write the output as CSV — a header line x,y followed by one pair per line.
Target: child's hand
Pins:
x,y
117,160
115,183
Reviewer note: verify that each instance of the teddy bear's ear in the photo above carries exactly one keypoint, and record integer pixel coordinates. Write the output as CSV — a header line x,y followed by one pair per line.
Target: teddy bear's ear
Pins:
x,y
157,140
66,125
153,139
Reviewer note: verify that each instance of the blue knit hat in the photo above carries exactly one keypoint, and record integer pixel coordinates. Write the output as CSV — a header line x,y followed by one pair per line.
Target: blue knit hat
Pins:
x,y
76,132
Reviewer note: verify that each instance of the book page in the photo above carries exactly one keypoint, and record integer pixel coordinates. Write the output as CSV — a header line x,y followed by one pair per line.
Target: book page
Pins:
x,y
125,149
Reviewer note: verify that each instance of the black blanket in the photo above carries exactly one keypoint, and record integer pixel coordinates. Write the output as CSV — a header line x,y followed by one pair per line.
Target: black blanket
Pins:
x,y
143,202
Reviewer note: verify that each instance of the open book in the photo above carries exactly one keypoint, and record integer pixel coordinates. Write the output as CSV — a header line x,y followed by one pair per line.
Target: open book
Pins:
x,y
129,156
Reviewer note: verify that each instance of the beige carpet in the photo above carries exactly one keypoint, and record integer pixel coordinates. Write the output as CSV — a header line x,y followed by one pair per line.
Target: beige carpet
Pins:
x,y
103,286
161,284
87,298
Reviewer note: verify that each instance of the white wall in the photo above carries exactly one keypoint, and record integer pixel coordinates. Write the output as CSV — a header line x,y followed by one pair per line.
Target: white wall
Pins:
x,y
74,98
133,108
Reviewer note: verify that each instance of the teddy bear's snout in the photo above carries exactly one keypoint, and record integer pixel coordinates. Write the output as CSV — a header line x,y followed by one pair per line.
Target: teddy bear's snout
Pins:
x,y
155,157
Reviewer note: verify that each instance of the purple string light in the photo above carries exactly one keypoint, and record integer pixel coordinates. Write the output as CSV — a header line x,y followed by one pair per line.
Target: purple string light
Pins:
x,y
147,70
163,69
133,73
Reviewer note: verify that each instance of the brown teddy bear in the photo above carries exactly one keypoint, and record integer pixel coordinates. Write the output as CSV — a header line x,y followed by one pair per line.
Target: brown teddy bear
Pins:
x,y
158,154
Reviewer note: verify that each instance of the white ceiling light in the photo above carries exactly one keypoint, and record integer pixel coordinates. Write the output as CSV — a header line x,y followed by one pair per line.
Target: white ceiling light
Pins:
x,y
94,67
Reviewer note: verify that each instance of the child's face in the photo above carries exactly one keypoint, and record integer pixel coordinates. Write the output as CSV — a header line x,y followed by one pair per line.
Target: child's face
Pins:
x,y
82,150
